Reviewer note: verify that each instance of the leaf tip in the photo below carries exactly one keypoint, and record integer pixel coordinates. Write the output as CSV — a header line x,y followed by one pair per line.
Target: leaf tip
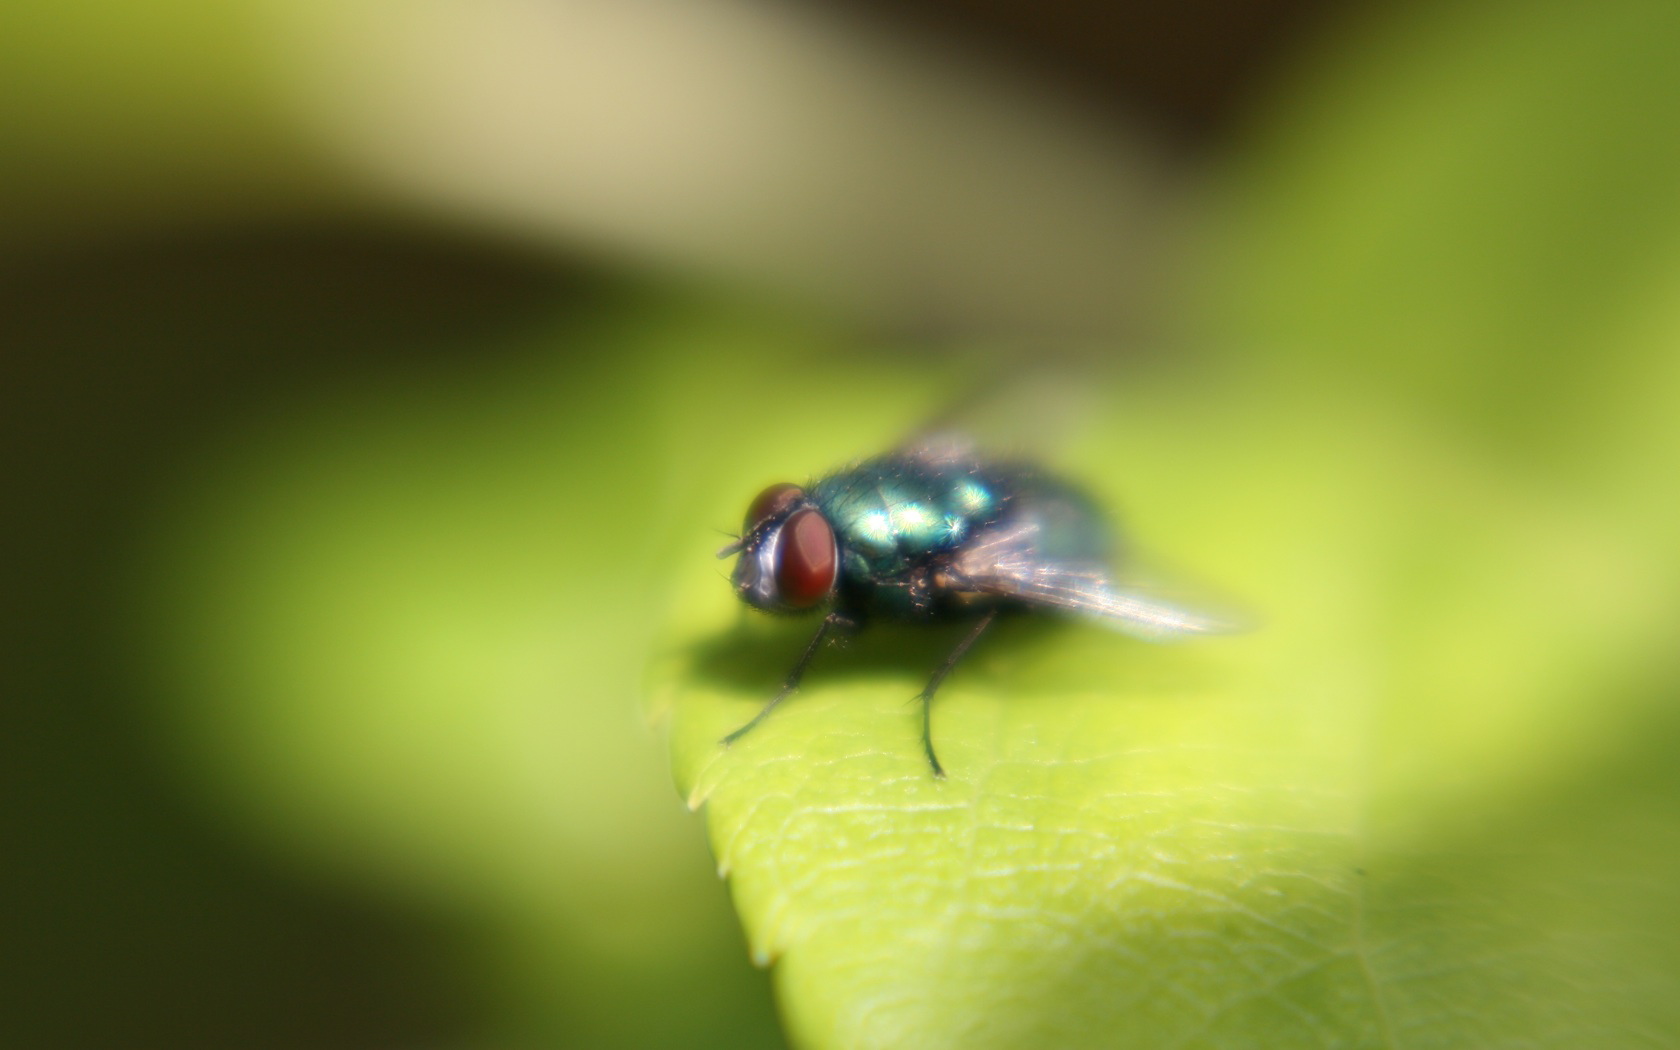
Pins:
x,y
697,797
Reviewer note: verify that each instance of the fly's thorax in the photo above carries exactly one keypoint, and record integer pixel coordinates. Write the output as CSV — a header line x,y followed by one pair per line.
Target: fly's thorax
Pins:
x,y
897,519
890,514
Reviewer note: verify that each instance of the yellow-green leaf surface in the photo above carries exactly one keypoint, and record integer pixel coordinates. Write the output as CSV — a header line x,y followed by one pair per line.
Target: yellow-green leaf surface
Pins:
x,y
1430,801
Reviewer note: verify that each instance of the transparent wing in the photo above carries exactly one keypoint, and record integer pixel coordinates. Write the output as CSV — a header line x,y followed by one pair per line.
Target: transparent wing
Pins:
x,y
1007,561
1025,408
1136,613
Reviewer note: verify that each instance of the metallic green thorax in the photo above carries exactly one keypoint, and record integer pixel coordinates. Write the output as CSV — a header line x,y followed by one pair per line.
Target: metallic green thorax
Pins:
x,y
898,516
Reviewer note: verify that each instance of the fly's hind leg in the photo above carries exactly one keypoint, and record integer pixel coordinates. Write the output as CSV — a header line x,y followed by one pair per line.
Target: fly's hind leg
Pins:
x,y
834,621
926,696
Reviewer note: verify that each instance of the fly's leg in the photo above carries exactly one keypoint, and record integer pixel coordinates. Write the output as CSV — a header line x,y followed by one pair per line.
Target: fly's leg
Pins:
x,y
926,696
832,622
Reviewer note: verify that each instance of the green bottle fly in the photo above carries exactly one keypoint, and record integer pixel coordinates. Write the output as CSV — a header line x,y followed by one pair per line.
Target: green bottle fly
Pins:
x,y
936,534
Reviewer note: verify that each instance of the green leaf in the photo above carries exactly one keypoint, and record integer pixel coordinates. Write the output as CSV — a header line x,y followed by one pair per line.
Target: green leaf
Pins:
x,y
1344,828
1430,802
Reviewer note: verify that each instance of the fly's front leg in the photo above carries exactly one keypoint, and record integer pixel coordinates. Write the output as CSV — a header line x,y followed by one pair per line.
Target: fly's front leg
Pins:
x,y
834,621
926,696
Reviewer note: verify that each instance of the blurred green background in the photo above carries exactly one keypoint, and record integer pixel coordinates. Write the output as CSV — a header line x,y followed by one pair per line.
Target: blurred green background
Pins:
x,y
375,370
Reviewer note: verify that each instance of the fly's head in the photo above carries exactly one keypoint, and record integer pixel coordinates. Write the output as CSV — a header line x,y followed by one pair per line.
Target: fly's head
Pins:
x,y
788,558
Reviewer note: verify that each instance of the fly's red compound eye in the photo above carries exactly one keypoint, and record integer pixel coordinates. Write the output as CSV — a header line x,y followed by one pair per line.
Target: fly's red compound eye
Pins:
x,y
806,560
771,502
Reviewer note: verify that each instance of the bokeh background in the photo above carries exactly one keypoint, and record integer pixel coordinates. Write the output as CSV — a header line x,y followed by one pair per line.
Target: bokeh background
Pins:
x,y
361,360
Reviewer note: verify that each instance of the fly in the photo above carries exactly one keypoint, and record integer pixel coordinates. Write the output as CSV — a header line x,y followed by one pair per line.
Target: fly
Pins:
x,y
931,535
